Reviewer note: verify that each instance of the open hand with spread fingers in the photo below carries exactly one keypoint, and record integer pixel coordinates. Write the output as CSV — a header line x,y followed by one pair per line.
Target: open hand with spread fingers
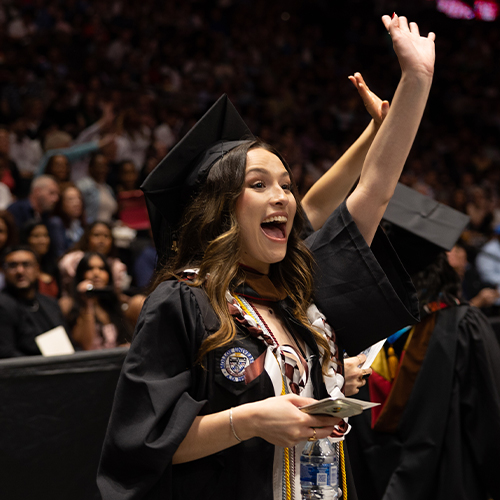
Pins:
x,y
415,53
377,108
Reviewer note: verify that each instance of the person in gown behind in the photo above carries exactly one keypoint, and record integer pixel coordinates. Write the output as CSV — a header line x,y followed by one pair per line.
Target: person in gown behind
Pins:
x,y
229,345
436,434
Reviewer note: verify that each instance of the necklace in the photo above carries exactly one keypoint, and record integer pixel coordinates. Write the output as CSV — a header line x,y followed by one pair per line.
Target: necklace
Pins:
x,y
269,338
290,331
262,320
251,308
251,311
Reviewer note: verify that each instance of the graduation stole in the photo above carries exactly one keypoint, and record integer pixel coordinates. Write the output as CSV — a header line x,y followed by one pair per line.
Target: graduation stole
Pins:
x,y
259,287
295,368
393,390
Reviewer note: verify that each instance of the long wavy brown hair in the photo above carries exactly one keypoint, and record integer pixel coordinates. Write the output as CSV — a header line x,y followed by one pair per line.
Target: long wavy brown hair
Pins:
x,y
209,239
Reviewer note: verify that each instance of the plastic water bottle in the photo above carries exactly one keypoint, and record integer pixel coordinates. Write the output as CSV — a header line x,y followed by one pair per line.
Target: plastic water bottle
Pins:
x,y
319,471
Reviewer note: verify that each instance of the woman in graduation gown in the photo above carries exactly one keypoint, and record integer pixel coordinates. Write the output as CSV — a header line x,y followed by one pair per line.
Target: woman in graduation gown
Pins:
x,y
229,344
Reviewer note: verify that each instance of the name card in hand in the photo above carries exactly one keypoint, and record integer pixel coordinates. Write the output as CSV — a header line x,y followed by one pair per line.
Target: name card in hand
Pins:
x,y
341,408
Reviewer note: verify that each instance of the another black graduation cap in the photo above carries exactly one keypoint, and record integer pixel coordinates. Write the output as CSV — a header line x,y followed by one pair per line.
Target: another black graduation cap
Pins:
x,y
421,227
174,182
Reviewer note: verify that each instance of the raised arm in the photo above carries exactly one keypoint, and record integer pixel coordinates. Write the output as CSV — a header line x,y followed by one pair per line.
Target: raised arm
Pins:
x,y
387,155
326,194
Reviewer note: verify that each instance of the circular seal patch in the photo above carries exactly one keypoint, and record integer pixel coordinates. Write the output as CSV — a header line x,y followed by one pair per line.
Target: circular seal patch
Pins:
x,y
233,363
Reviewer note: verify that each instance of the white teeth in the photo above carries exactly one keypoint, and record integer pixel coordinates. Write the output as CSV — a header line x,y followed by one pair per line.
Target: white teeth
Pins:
x,y
276,218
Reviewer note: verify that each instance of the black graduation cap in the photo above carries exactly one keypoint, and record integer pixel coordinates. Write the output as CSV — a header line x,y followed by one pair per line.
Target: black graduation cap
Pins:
x,y
421,227
174,182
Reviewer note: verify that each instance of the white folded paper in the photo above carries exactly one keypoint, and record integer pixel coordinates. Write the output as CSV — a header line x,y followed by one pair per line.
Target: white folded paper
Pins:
x,y
55,342
371,354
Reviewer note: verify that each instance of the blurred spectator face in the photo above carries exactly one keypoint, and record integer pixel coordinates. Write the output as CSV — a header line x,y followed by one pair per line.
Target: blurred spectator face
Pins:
x,y
4,141
36,109
100,239
161,149
131,120
59,168
479,197
19,127
98,169
39,240
46,196
90,100
72,203
459,198
151,163
467,180
3,165
128,176
109,151
4,233
457,257
21,270
96,273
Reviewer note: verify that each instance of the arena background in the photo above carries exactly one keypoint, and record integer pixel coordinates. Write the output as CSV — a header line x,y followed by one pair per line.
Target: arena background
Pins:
x,y
285,66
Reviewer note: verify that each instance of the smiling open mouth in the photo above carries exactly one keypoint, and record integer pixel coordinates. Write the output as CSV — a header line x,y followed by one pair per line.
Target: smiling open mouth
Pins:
x,y
274,227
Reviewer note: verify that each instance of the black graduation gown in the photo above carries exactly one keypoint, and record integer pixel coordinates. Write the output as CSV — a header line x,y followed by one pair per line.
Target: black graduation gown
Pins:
x,y
161,391
364,292
447,444
170,391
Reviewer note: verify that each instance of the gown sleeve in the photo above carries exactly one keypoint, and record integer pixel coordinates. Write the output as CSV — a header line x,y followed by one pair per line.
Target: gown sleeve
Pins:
x,y
157,398
364,292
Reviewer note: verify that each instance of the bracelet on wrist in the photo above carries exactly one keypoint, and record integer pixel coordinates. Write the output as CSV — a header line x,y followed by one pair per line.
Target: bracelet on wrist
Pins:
x,y
232,426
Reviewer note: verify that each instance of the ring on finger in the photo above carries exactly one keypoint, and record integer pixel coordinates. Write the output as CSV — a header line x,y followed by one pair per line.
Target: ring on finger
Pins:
x,y
313,437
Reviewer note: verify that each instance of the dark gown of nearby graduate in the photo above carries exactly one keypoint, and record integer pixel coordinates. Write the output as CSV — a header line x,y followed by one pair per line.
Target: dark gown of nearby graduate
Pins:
x,y
437,434
161,390
439,439
362,300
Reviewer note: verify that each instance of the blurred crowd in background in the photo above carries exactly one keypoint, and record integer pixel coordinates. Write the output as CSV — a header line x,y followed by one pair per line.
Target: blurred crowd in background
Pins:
x,y
94,93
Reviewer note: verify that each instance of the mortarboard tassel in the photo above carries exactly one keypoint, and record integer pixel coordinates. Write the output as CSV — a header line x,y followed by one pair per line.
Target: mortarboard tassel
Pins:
x,y
393,362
